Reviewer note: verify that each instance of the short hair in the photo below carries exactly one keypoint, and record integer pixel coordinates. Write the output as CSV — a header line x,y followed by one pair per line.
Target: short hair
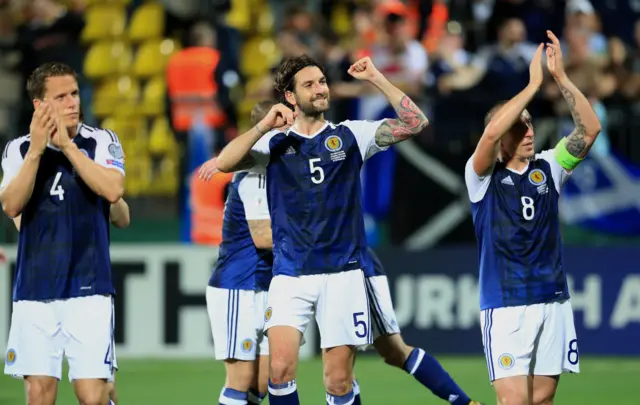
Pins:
x,y
38,78
260,110
287,70
493,111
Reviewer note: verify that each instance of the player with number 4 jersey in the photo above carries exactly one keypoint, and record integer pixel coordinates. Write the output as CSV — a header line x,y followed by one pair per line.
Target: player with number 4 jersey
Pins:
x,y
313,187
527,321
61,180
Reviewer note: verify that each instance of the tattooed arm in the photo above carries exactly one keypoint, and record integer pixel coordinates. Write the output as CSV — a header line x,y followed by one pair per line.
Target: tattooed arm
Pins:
x,y
585,119
411,120
260,230
587,125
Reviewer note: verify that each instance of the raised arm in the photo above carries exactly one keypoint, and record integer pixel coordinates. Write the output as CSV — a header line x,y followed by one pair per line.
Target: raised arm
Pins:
x,y
571,150
19,173
234,155
503,119
411,120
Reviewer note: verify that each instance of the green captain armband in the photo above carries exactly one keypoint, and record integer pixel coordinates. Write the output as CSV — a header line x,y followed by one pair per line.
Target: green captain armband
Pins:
x,y
564,158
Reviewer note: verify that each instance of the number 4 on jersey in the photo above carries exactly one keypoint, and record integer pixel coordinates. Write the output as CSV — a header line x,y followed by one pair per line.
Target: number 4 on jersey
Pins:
x,y
56,187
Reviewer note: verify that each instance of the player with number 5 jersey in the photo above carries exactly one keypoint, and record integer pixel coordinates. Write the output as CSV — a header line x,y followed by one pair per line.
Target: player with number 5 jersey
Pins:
x,y
527,321
313,187
61,180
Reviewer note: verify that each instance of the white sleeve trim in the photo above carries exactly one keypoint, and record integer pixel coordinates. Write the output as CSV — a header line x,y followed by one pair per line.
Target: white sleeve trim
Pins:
x,y
477,186
559,173
253,193
365,134
261,151
11,161
109,152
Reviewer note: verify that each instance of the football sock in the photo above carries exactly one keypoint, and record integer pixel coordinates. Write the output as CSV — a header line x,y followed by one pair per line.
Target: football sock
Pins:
x,y
229,396
283,394
346,399
255,397
428,371
356,393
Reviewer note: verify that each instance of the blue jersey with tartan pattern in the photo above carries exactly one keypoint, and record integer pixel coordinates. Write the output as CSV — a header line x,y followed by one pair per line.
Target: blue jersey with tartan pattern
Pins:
x,y
63,245
315,197
517,226
241,265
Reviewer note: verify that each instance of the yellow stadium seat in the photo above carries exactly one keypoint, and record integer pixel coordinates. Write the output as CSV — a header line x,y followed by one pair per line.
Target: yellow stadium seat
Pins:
x,y
239,16
154,96
265,21
258,56
152,57
107,58
103,21
118,2
340,20
117,95
147,22
130,130
138,176
161,138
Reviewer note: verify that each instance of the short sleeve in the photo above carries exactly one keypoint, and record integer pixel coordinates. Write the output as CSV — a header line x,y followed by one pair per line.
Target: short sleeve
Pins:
x,y
11,162
365,134
477,186
559,173
253,193
109,151
261,151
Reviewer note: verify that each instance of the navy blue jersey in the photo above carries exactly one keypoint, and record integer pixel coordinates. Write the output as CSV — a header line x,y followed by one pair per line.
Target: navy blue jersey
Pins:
x,y
240,264
373,266
63,247
315,197
518,230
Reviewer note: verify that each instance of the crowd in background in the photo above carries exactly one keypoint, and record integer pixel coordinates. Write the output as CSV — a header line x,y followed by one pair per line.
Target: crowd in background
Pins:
x,y
455,58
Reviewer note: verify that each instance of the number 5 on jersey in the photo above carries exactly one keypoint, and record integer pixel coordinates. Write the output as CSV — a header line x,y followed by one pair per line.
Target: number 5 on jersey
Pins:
x,y
317,174
528,209
56,187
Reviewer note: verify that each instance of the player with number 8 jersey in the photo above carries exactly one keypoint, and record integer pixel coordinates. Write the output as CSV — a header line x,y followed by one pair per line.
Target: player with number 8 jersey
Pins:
x,y
527,320
61,179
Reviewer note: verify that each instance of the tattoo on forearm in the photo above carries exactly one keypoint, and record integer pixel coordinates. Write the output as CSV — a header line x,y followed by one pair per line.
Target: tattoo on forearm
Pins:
x,y
411,120
576,143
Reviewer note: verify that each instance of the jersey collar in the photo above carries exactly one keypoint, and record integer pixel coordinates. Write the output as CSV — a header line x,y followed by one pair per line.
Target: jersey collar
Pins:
x,y
319,131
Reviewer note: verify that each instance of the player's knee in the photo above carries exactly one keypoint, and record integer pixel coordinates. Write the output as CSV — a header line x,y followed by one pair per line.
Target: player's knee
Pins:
x,y
338,381
282,369
545,398
41,392
513,400
393,350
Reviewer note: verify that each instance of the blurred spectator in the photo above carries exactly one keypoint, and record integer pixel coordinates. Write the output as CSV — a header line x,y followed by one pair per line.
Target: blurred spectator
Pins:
x,y
52,34
9,77
400,58
581,15
503,67
449,59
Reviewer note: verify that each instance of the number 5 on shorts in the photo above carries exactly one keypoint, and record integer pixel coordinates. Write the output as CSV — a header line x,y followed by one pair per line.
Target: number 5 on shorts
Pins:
x,y
360,325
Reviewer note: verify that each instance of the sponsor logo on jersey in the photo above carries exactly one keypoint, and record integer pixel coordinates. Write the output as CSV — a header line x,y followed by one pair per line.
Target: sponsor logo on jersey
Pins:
x,y
537,177
247,345
10,357
267,314
507,180
506,361
333,143
115,163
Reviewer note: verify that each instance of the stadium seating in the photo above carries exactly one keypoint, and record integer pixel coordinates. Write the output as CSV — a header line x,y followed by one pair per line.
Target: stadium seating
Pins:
x,y
104,21
147,22
126,60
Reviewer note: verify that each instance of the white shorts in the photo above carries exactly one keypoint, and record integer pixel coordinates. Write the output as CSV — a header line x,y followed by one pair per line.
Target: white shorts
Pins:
x,y
537,339
339,301
79,328
237,323
383,316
